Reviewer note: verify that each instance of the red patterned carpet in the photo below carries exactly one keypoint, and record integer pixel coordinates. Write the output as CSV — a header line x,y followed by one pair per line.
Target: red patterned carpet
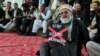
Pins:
x,y
12,44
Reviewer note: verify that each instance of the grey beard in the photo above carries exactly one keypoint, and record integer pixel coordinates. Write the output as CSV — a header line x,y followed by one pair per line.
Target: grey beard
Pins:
x,y
66,20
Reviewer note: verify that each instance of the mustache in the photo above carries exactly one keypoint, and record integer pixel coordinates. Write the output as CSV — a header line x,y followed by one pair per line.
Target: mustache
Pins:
x,y
66,17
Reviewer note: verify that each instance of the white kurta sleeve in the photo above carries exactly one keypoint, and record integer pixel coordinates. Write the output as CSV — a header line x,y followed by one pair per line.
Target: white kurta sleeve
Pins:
x,y
47,16
36,14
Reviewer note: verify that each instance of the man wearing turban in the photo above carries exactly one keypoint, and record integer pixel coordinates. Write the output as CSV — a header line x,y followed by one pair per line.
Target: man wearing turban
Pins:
x,y
75,36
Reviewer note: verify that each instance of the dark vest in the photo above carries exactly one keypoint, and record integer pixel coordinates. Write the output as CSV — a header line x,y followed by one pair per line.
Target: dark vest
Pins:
x,y
58,27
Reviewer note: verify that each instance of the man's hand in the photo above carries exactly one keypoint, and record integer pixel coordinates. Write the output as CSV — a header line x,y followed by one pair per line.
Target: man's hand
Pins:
x,y
91,27
41,10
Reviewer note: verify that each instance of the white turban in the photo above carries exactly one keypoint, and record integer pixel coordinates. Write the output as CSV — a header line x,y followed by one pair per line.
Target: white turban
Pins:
x,y
58,10
66,6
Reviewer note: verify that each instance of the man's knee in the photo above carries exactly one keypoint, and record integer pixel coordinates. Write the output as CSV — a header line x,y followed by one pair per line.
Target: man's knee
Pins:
x,y
89,44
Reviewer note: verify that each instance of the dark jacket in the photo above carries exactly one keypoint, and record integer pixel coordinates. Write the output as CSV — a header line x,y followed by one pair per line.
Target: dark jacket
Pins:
x,y
2,16
95,13
10,13
97,37
79,36
85,5
19,12
2,13
79,14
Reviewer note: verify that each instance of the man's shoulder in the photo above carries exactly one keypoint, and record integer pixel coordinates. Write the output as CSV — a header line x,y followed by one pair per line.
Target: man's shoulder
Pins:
x,y
77,22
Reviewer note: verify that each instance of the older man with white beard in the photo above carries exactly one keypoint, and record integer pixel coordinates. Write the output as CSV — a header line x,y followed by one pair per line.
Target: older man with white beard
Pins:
x,y
72,34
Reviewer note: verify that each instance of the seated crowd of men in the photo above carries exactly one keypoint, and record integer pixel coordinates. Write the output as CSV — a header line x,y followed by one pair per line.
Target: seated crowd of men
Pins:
x,y
23,20
29,19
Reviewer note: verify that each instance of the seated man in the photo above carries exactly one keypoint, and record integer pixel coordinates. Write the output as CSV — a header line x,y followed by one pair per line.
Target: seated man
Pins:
x,y
15,22
41,20
17,12
93,46
7,23
8,13
94,19
28,18
68,33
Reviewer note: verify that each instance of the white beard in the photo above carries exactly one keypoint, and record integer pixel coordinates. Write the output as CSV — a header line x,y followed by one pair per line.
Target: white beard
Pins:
x,y
66,20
